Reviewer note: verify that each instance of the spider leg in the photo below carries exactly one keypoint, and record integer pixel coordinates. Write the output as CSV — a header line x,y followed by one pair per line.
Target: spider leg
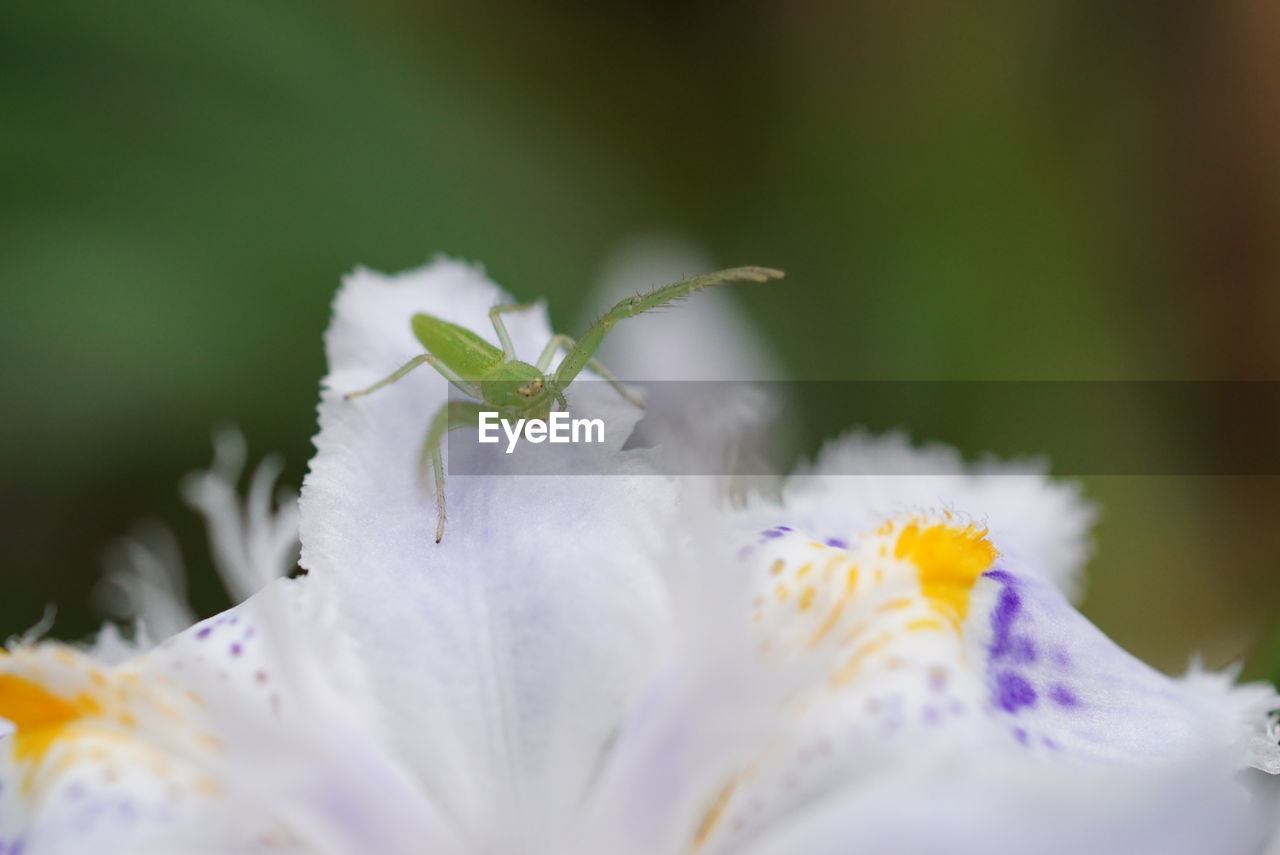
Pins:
x,y
495,316
559,341
450,416
448,373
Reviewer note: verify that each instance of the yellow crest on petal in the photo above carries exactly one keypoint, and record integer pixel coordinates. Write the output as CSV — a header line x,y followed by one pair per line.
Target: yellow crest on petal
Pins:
x,y
949,560
40,716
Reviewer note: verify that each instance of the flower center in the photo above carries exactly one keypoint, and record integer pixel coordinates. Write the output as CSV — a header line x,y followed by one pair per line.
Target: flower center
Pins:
x,y
862,604
877,630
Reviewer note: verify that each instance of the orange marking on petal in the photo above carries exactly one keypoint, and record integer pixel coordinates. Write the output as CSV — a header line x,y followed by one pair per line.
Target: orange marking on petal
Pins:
x,y
860,656
923,625
806,598
852,634
40,716
830,621
210,742
714,814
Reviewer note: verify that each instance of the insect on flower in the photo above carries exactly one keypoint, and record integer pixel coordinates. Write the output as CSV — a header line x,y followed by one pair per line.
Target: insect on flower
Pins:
x,y
517,390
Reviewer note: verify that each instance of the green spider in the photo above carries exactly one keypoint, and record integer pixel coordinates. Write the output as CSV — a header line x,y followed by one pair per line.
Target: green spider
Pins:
x,y
499,381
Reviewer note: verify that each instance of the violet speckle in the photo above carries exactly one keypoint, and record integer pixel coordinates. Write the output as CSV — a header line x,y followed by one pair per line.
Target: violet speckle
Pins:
x,y
1064,697
1002,618
1012,692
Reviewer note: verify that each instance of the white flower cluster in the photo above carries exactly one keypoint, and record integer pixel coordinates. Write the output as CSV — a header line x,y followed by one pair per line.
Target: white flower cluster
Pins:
x,y
618,662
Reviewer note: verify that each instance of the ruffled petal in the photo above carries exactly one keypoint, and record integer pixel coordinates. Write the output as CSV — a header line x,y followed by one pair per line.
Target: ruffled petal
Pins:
x,y
504,655
229,738
1002,808
919,646
860,479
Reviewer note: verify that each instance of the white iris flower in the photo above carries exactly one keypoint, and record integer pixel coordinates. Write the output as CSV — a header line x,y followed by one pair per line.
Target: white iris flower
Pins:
x,y
612,664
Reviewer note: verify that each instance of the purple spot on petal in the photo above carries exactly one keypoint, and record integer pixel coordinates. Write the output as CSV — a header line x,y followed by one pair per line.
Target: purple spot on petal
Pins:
x,y
783,528
204,633
1049,743
236,650
1064,697
1020,735
772,533
837,543
1012,692
1022,650
931,715
1002,617
1000,576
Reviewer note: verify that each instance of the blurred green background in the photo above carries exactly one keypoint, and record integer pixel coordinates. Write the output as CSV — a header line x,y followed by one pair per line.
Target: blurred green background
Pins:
x,y
1041,189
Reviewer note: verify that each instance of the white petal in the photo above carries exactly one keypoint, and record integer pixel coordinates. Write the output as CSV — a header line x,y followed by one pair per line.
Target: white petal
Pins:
x,y
700,717
859,480
146,581
1253,710
926,808
504,655
919,642
226,739
252,542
